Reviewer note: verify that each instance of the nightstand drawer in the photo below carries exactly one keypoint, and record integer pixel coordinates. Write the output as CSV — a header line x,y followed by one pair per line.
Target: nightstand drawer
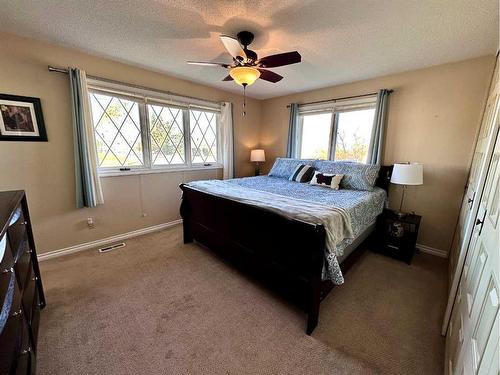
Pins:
x,y
396,236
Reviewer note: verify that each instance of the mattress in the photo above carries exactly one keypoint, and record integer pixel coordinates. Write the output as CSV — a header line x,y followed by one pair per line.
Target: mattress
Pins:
x,y
363,207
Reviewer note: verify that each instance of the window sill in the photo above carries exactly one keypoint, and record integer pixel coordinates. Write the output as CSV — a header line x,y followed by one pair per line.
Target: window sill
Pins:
x,y
118,173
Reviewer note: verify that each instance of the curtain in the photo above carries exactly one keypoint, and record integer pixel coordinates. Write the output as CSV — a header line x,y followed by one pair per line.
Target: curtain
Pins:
x,y
291,149
227,142
375,149
88,184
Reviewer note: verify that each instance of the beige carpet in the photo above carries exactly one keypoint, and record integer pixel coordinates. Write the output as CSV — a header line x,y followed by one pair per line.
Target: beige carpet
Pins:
x,y
159,307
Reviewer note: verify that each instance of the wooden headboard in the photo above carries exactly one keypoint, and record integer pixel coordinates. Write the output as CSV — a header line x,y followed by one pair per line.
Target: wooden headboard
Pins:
x,y
384,177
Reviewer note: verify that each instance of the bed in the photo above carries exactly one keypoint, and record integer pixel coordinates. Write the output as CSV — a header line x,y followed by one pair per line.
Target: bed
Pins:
x,y
298,238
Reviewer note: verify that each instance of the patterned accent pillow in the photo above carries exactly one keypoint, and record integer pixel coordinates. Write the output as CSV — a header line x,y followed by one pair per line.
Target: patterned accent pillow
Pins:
x,y
303,173
327,179
284,167
357,176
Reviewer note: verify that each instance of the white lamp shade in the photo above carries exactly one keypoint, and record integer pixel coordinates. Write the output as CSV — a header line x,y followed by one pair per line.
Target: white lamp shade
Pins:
x,y
408,174
257,155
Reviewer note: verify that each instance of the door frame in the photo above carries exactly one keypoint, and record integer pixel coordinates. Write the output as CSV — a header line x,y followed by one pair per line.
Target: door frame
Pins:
x,y
469,226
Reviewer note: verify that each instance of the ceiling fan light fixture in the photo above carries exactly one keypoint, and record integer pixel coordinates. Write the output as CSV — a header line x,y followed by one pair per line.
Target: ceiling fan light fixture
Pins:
x,y
244,75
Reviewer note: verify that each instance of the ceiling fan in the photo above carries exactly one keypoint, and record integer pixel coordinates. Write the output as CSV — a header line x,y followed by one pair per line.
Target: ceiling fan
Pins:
x,y
247,67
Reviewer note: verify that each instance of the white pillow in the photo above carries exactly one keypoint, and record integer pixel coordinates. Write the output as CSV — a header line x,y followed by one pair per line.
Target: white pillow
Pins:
x,y
327,180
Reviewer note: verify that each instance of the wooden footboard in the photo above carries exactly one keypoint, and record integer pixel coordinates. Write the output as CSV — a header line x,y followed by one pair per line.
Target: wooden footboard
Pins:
x,y
287,252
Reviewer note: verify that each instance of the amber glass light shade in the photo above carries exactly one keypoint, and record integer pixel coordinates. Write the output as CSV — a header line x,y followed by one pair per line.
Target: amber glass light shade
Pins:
x,y
244,75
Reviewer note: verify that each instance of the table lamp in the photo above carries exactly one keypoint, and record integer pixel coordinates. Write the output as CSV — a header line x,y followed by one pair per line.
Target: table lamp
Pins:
x,y
407,174
257,156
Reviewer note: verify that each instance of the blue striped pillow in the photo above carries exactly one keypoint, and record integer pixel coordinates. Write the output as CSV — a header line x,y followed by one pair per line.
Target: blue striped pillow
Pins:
x,y
303,173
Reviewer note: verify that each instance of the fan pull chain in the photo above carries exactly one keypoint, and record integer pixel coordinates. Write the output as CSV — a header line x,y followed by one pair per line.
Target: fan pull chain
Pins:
x,y
244,101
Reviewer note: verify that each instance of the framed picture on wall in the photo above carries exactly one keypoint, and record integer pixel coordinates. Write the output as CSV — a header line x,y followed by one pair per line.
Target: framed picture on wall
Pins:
x,y
21,119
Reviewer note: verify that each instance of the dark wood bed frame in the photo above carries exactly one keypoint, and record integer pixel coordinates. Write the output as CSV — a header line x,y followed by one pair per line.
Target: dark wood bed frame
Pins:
x,y
285,253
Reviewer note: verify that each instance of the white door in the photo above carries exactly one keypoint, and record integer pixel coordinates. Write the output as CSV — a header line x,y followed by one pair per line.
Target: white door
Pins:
x,y
474,331
475,183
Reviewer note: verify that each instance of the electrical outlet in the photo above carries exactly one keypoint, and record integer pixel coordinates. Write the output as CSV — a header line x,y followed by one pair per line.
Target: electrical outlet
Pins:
x,y
90,223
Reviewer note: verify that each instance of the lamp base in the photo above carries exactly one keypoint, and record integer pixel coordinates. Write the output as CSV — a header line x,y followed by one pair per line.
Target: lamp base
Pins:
x,y
257,169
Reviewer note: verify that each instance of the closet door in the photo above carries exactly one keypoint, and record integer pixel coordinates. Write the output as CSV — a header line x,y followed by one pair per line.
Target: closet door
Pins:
x,y
473,348
470,205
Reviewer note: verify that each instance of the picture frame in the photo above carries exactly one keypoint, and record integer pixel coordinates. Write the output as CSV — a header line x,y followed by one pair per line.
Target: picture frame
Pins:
x,y
21,119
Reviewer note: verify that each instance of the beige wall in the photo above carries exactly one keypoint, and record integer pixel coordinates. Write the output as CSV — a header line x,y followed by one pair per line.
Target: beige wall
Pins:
x,y
434,114
45,169
433,117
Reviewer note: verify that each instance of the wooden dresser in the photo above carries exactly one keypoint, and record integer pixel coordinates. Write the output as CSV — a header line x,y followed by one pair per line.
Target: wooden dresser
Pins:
x,y
21,292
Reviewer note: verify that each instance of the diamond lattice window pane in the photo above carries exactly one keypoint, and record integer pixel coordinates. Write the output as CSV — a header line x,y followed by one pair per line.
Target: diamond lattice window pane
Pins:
x,y
117,131
167,135
203,128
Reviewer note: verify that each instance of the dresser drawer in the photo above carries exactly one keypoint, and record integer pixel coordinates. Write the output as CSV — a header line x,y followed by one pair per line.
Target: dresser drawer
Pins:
x,y
23,264
24,355
17,230
29,295
11,321
35,320
6,258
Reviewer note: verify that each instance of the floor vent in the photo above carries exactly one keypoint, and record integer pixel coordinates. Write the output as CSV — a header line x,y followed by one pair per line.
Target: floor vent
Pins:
x,y
111,247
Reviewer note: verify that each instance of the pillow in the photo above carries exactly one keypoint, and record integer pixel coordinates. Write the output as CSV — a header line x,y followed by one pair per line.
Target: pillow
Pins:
x,y
303,173
357,176
284,167
327,179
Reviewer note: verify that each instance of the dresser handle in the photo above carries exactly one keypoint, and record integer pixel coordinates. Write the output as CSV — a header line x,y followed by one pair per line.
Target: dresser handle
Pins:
x,y
35,278
24,223
17,313
26,351
8,270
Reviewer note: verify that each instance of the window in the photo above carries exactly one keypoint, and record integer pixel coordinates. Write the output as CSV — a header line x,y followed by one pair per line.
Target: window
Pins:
x,y
203,127
354,130
138,132
341,131
166,126
315,139
117,131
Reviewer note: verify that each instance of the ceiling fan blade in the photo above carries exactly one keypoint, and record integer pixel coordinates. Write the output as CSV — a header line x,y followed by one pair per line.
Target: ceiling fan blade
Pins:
x,y
267,75
204,63
228,78
232,45
280,59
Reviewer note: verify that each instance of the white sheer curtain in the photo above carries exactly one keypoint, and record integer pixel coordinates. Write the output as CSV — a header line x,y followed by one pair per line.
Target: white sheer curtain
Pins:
x,y
88,184
226,139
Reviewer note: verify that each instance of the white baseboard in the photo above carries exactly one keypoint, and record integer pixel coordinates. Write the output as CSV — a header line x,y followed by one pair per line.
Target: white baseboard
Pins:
x,y
432,251
106,241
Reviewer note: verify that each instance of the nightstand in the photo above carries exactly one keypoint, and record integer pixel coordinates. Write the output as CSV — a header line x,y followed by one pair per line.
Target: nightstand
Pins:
x,y
396,237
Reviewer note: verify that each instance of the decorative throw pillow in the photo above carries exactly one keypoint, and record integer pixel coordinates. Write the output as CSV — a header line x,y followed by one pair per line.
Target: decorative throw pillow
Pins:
x,y
357,176
284,167
327,179
303,173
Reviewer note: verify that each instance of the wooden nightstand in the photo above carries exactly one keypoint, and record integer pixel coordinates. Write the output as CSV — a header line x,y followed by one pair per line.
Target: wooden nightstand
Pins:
x,y
396,237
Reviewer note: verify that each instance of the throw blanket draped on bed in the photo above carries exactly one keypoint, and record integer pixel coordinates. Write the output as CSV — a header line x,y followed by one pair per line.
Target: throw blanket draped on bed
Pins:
x,y
336,220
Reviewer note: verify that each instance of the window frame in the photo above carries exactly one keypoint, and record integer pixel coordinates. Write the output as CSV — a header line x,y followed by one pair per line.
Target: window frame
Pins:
x,y
335,108
144,97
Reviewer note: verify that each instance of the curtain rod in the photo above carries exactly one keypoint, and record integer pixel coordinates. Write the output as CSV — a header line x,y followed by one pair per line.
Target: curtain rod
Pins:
x,y
66,71
342,98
